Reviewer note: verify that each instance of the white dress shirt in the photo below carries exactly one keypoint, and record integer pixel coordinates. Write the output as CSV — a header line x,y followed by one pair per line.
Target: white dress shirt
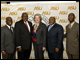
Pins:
x,y
9,27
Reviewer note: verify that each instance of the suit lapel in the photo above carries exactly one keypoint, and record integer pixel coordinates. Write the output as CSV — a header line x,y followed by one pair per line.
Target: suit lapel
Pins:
x,y
52,27
47,27
13,30
8,29
29,26
39,26
73,26
24,25
68,28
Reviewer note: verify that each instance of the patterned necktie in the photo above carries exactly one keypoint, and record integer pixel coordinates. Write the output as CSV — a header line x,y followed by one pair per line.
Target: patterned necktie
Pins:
x,y
35,28
27,26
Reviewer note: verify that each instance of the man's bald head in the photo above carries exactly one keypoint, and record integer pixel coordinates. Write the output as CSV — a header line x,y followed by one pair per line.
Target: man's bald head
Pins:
x,y
24,13
24,16
9,21
52,20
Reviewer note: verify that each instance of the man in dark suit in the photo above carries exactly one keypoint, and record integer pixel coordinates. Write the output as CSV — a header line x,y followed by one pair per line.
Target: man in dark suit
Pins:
x,y
55,34
7,40
72,38
23,37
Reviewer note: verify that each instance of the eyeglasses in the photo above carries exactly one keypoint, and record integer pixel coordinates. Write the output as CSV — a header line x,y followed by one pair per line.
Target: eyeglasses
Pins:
x,y
71,16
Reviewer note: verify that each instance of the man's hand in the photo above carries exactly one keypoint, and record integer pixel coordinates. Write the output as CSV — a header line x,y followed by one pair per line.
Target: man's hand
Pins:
x,y
19,49
56,49
4,53
43,48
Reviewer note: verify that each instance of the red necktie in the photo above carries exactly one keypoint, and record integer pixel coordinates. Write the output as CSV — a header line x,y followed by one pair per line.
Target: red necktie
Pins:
x,y
27,26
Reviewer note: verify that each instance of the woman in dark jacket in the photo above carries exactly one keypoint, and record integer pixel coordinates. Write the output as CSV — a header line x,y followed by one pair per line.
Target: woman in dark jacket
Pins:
x,y
39,37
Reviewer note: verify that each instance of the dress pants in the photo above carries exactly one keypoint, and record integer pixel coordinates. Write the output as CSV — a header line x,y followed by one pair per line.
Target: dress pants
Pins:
x,y
24,54
9,56
73,56
38,51
55,55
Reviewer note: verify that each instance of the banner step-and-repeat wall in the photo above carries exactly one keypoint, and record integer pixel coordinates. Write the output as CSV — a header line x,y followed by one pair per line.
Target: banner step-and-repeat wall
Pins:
x,y
59,10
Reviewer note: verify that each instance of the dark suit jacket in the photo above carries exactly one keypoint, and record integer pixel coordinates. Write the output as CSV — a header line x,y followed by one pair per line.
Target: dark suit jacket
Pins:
x,y
22,36
41,34
7,40
55,38
72,39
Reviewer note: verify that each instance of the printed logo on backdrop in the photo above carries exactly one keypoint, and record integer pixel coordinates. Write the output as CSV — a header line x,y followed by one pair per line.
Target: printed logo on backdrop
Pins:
x,y
45,20
21,9
30,13
5,9
3,18
46,13
37,8
71,8
13,13
63,12
54,8
63,21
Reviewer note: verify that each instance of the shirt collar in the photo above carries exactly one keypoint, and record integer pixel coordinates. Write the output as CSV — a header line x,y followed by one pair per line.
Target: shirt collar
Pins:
x,y
8,26
72,23
24,21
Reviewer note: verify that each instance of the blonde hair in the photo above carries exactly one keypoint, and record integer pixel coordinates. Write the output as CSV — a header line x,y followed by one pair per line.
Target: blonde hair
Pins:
x,y
37,15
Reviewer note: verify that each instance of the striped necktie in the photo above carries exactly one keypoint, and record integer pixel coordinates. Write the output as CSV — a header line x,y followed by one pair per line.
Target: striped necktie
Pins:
x,y
27,26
